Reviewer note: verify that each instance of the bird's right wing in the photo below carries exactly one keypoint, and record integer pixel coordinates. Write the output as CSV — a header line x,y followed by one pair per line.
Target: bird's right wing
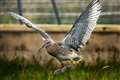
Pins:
x,y
29,24
83,26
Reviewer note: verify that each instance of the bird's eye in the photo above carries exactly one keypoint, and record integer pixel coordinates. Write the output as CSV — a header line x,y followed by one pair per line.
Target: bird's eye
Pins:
x,y
76,58
71,50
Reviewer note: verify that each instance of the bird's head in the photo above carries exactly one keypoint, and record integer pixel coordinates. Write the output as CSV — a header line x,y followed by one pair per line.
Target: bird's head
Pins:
x,y
75,58
71,58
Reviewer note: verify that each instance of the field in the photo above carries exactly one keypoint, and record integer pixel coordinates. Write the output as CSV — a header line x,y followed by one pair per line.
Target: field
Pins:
x,y
105,53
21,71
21,59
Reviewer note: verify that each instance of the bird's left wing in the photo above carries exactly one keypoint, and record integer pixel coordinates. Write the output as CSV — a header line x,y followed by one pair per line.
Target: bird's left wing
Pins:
x,y
29,24
83,26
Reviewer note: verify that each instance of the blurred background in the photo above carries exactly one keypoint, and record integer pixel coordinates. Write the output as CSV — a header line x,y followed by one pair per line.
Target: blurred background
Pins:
x,y
57,11
19,45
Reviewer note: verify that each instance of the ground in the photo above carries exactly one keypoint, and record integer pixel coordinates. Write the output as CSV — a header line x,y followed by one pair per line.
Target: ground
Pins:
x,y
21,71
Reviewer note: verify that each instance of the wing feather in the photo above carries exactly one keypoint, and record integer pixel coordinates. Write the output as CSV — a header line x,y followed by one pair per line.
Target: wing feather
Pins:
x,y
83,26
30,25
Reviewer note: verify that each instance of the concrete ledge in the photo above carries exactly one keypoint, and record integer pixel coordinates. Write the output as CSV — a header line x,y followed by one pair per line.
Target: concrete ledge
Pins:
x,y
18,41
58,28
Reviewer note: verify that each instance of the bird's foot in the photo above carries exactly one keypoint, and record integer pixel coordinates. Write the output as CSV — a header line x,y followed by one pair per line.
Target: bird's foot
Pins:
x,y
62,69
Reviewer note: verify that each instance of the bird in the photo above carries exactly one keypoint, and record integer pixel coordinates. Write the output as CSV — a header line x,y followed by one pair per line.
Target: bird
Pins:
x,y
75,39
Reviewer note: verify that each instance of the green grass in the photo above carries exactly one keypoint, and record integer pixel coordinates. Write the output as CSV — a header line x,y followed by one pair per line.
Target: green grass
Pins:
x,y
21,71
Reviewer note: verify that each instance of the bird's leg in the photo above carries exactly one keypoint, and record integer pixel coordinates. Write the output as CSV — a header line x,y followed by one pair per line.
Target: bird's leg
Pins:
x,y
62,68
62,65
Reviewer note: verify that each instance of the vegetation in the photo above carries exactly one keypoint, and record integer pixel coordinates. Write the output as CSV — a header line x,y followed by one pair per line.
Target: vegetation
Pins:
x,y
21,71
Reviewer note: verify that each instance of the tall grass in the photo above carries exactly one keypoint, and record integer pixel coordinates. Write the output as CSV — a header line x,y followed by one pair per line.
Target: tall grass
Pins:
x,y
21,71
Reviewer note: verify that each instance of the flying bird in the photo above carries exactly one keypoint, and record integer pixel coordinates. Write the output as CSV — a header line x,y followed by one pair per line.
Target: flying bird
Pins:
x,y
75,39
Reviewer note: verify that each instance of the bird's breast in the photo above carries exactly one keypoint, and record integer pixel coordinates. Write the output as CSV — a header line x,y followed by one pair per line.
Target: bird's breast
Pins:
x,y
55,49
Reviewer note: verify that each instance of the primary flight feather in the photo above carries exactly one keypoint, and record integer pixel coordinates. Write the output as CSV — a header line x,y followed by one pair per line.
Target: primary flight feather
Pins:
x,y
83,26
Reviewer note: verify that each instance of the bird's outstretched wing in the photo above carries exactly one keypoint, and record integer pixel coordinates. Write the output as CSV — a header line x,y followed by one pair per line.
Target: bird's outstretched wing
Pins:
x,y
31,25
83,26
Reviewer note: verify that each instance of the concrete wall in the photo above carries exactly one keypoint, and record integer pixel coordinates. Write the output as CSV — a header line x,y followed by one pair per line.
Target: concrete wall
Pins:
x,y
103,46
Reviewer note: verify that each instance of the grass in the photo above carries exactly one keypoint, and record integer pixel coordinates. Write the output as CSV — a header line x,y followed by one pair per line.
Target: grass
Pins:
x,y
18,71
